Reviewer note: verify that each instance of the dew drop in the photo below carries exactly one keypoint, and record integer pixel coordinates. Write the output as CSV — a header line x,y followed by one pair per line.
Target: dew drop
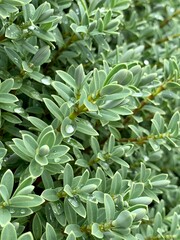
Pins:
x,y
105,165
59,206
32,27
73,201
16,60
18,110
35,94
46,80
54,210
51,217
69,129
146,62
90,197
22,211
25,31
146,158
12,210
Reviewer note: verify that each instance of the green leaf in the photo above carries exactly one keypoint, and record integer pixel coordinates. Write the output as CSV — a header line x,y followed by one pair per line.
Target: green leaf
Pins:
x,y
139,213
175,119
23,184
6,85
114,71
50,195
48,139
53,108
26,236
26,190
111,89
31,200
70,214
11,118
4,219
124,220
92,212
13,31
67,78
20,212
50,232
41,157
95,231
68,175
77,206
4,193
136,190
9,232
35,169
116,184
101,175
41,56
18,2
75,229
37,123
109,207
40,10
140,200
14,57
160,183
58,151
8,181
85,127
88,188
45,36
92,107
63,90
7,98
71,236
30,144
36,226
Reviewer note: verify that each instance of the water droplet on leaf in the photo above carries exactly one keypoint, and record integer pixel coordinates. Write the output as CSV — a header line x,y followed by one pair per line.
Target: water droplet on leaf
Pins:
x,y
22,211
146,62
32,27
19,110
46,80
105,165
73,201
69,129
90,197
12,210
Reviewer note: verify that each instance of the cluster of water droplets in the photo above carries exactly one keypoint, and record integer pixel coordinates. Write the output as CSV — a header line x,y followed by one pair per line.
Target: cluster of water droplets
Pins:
x,y
57,209
21,211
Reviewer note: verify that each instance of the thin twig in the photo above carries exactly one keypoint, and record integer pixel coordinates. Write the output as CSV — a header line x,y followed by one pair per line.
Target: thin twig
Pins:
x,y
165,21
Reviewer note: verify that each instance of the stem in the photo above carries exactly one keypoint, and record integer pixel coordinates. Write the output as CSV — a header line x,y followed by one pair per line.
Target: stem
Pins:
x,y
2,37
143,139
83,108
144,102
165,21
70,41
168,38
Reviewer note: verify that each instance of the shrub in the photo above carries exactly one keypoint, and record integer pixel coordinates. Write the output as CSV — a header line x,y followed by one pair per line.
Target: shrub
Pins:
x,y
89,102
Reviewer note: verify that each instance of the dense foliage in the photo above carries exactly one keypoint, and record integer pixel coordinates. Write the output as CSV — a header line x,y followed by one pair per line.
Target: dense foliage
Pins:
x,y
90,122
